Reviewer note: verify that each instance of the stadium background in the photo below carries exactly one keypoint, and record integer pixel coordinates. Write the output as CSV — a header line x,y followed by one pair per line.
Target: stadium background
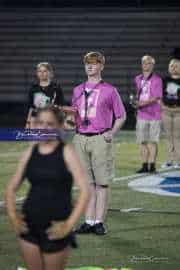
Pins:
x,y
60,32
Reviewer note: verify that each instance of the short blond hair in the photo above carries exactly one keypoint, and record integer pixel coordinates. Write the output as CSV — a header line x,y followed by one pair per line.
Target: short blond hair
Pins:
x,y
148,57
48,66
96,56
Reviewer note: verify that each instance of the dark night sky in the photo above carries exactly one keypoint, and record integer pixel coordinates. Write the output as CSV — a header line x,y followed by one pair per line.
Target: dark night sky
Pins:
x,y
124,3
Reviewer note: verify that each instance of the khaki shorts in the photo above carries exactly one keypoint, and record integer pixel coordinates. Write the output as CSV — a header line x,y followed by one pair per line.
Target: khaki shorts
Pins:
x,y
148,131
97,156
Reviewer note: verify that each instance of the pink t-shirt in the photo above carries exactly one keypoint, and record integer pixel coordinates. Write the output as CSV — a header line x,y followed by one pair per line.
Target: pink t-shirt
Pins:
x,y
103,106
147,89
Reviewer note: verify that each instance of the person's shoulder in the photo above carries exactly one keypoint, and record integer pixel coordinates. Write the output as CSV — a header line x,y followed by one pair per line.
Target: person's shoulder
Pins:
x,y
137,76
78,87
170,79
34,87
27,153
156,76
166,79
55,84
108,86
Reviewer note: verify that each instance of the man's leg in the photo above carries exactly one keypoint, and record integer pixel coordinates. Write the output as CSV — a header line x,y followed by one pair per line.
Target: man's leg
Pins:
x,y
102,193
176,136
153,150
144,153
142,128
154,135
81,145
103,169
91,208
168,129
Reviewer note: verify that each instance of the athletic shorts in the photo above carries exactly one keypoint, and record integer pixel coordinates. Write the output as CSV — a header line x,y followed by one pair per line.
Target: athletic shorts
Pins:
x,y
148,131
96,154
39,238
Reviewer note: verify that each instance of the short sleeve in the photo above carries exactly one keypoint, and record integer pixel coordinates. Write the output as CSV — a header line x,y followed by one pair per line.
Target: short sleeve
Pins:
x,y
137,83
157,90
77,93
117,105
73,100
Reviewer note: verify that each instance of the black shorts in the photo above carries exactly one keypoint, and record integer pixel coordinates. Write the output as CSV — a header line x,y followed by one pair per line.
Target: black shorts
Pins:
x,y
40,238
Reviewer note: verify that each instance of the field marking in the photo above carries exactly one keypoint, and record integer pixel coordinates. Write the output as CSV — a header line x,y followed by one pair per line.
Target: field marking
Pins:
x,y
143,210
10,154
157,186
18,201
136,175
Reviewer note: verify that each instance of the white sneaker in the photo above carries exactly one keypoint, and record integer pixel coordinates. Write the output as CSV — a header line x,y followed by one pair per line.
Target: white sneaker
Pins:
x,y
167,165
177,166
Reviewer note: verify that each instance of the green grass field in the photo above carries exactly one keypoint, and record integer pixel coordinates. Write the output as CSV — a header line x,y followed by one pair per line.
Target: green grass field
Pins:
x,y
141,241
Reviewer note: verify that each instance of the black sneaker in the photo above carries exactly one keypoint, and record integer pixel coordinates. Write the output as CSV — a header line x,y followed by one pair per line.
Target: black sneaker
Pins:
x,y
99,229
152,168
85,228
143,170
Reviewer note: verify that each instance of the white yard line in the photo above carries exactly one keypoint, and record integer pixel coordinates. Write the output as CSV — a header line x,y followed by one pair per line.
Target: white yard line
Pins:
x,y
18,201
10,154
134,176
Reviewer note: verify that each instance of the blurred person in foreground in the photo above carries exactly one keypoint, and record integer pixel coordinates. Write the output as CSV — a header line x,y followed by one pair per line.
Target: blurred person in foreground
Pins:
x,y
44,227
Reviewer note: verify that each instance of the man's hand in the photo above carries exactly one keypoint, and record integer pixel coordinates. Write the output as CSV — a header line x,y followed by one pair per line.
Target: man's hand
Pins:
x,y
68,109
108,136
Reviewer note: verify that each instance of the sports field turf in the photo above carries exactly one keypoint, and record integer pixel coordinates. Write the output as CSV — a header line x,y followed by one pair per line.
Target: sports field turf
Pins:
x,y
141,241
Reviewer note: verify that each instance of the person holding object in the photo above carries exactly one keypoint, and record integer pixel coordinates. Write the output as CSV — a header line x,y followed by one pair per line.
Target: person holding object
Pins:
x,y
44,226
43,92
70,113
148,95
171,114
100,114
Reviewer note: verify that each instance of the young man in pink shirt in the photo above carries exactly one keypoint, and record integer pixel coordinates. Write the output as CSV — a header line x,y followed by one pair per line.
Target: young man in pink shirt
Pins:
x,y
148,127
100,114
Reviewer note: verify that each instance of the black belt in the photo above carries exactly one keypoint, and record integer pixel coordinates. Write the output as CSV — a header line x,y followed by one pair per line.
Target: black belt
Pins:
x,y
93,134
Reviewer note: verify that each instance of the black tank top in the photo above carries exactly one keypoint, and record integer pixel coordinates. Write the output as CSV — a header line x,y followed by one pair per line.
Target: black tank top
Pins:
x,y
49,197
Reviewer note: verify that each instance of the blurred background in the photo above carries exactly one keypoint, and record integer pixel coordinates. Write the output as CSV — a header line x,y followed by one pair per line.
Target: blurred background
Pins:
x,y
61,32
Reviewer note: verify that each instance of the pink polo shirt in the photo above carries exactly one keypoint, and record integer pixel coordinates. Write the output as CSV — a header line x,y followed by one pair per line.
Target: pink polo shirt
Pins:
x,y
103,106
147,89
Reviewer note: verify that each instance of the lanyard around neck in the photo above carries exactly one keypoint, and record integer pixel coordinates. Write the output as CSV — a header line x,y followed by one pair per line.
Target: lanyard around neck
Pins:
x,y
97,84
86,96
144,83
